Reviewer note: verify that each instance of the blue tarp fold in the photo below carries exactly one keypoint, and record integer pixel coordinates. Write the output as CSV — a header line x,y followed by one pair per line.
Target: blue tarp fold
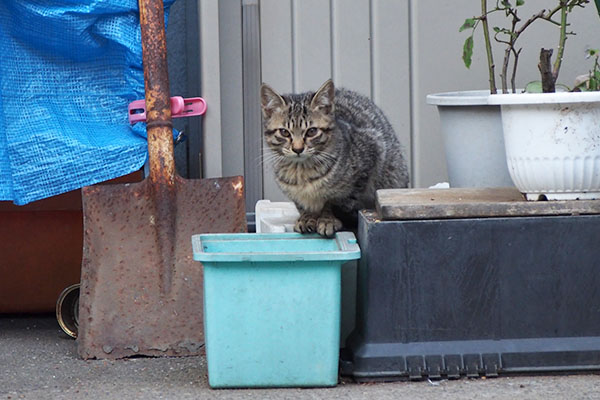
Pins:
x,y
68,70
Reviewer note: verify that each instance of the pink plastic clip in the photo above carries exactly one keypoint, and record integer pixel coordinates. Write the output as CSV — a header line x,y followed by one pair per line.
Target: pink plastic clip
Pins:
x,y
180,107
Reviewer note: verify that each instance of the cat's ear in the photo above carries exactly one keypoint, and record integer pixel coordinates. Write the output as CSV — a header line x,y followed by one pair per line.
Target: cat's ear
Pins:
x,y
270,100
323,99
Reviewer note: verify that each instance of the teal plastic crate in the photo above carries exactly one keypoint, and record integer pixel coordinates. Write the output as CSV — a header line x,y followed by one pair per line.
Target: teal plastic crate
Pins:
x,y
272,307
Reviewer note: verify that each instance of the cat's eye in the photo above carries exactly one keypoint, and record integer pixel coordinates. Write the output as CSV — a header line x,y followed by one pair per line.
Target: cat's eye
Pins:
x,y
285,133
311,132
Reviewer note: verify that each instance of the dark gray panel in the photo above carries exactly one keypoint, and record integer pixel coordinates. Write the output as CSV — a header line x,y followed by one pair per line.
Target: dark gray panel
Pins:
x,y
489,296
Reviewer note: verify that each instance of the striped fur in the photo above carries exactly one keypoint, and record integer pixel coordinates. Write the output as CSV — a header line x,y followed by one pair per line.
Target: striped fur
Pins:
x,y
332,150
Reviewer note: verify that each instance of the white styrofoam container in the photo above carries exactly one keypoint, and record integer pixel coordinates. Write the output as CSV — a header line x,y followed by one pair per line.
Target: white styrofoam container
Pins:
x,y
275,216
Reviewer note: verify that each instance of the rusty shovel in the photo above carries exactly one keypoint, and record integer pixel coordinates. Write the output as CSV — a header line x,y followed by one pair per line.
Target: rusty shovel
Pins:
x,y
141,292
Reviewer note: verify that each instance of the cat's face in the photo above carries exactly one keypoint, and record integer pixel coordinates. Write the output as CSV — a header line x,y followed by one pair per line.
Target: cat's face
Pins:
x,y
298,127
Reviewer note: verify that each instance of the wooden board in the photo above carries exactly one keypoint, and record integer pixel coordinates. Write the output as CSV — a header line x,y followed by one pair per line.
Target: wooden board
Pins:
x,y
395,204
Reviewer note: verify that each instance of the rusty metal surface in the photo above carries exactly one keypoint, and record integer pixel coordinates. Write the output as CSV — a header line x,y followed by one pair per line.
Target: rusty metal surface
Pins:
x,y
158,100
141,291
159,127
124,309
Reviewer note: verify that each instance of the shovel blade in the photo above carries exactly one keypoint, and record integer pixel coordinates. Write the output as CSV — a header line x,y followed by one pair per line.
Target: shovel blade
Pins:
x,y
124,307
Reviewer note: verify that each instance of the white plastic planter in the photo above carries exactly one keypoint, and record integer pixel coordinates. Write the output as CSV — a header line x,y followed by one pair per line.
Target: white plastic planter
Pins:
x,y
552,143
474,145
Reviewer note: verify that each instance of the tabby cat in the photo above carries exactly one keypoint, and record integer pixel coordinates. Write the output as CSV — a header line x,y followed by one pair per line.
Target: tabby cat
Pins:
x,y
332,149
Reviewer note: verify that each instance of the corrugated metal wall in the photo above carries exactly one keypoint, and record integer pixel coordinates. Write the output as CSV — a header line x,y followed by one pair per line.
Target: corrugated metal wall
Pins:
x,y
396,51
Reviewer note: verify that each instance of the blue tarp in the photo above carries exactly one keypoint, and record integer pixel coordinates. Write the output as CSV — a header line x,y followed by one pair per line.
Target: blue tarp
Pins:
x,y
68,70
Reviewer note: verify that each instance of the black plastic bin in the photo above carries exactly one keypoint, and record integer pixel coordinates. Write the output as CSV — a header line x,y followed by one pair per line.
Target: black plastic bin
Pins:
x,y
475,297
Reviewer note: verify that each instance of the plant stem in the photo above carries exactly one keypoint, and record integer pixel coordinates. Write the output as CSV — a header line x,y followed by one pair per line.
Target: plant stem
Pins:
x,y
510,48
545,67
488,47
562,40
510,44
514,71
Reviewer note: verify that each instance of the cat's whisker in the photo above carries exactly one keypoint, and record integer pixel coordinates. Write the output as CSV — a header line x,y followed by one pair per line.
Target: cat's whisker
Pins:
x,y
330,157
261,160
327,154
269,158
325,159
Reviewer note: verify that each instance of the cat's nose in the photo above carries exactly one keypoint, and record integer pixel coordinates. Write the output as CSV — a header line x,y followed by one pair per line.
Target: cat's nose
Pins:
x,y
297,150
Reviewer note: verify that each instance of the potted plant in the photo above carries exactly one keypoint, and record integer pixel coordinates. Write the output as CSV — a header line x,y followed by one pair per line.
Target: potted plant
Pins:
x,y
552,138
471,127
473,148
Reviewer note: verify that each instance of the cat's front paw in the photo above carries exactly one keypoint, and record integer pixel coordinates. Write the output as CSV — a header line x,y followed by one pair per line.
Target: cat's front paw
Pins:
x,y
307,223
328,225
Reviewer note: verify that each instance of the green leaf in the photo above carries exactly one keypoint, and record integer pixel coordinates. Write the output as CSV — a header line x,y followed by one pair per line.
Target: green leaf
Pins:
x,y
497,29
468,51
591,53
598,6
521,2
595,81
469,24
534,87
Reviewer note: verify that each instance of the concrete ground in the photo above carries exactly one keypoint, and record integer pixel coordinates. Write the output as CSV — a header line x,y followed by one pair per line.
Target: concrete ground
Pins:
x,y
38,361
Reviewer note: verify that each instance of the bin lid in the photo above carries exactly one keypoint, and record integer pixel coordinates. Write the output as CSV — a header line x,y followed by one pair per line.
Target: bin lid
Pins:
x,y
236,247
417,204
